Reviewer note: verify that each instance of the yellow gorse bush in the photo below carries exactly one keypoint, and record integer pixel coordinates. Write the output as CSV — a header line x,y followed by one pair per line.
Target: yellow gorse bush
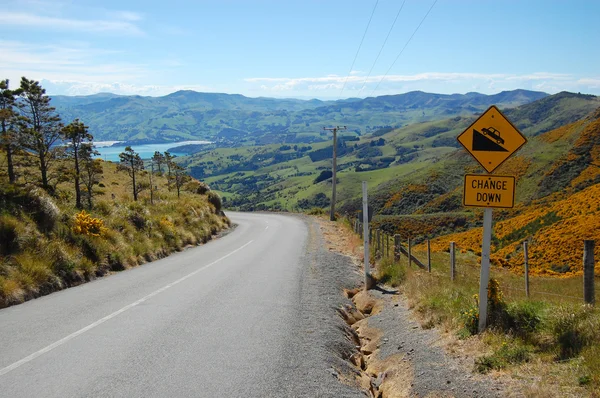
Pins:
x,y
166,223
85,224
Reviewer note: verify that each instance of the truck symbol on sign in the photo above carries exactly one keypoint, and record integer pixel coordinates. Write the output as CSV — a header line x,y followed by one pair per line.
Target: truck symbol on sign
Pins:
x,y
493,133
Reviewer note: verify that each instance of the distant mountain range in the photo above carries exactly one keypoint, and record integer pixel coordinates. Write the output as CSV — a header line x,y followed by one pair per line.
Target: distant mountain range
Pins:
x,y
238,120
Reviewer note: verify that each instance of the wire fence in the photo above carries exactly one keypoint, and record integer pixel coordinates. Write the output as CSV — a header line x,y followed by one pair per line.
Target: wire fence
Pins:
x,y
466,270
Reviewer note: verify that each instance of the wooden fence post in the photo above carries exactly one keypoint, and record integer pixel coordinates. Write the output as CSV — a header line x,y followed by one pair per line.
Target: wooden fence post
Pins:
x,y
588,272
526,259
387,245
452,261
396,247
409,253
378,239
428,256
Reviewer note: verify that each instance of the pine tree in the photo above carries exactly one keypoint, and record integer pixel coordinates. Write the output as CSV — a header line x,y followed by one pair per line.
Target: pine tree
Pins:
x,y
132,163
169,163
92,171
158,159
179,177
8,121
40,126
76,134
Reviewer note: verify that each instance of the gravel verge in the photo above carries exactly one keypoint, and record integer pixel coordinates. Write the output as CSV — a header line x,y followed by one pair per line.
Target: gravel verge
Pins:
x,y
321,341
434,373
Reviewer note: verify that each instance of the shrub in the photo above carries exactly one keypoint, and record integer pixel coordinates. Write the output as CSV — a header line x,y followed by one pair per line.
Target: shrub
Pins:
x,y
93,248
471,318
573,331
591,360
138,218
507,354
9,235
86,267
34,270
215,200
85,224
391,272
57,254
316,211
46,213
9,290
103,207
202,188
116,261
325,174
523,318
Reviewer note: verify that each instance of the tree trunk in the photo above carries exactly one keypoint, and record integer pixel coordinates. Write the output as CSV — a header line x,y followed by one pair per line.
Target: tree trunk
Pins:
x,y
89,197
44,171
9,160
134,186
77,186
9,155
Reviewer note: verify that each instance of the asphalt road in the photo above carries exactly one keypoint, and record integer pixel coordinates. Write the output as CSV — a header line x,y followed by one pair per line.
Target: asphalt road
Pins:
x,y
216,320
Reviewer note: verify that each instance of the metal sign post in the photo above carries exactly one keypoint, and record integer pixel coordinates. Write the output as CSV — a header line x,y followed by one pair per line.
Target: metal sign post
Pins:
x,y
491,140
484,277
366,232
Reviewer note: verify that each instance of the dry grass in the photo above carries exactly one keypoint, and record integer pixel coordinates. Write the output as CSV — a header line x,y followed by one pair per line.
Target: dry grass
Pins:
x,y
531,360
43,248
535,358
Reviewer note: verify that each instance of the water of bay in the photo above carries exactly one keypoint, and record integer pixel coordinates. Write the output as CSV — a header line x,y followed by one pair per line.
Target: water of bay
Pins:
x,y
110,152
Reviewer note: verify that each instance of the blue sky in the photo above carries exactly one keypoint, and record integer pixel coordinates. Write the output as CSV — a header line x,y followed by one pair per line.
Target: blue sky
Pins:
x,y
301,49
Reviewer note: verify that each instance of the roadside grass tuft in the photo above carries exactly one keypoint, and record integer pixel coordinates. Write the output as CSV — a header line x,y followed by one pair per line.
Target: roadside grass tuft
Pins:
x,y
556,335
391,273
510,353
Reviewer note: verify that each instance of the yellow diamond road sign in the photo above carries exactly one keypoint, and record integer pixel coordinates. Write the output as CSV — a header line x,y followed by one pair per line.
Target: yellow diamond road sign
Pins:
x,y
483,190
492,139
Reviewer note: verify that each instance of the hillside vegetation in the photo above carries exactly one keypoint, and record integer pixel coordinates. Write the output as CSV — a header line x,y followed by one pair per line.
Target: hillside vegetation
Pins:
x,y
284,176
49,175
46,244
415,177
238,120
567,212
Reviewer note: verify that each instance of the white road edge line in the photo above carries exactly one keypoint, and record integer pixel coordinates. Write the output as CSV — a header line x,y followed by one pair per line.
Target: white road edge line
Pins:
x,y
62,341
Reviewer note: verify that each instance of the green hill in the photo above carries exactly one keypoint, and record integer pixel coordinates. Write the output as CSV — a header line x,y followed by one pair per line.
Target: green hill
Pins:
x,y
414,169
188,115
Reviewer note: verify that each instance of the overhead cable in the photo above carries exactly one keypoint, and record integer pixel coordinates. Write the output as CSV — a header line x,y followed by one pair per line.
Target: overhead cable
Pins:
x,y
359,46
405,45
381,49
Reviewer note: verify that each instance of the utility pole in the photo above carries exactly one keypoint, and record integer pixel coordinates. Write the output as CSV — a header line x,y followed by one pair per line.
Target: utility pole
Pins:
x,y
334,168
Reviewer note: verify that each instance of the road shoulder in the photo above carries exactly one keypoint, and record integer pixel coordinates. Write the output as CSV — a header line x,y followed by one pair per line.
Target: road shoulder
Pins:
x,y
401,356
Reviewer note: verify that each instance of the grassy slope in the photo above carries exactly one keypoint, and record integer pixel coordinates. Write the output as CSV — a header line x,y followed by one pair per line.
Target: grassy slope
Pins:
x,y
41,251
557,224
283,184
423,197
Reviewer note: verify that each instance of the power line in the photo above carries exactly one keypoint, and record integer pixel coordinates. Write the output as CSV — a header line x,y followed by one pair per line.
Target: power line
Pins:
x,y
383,45
405,45
359,46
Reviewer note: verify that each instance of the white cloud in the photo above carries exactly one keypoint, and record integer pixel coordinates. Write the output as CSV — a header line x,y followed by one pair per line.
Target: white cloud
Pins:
x,y
590,82
117,25
63,62
127,15
443,82
70,87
